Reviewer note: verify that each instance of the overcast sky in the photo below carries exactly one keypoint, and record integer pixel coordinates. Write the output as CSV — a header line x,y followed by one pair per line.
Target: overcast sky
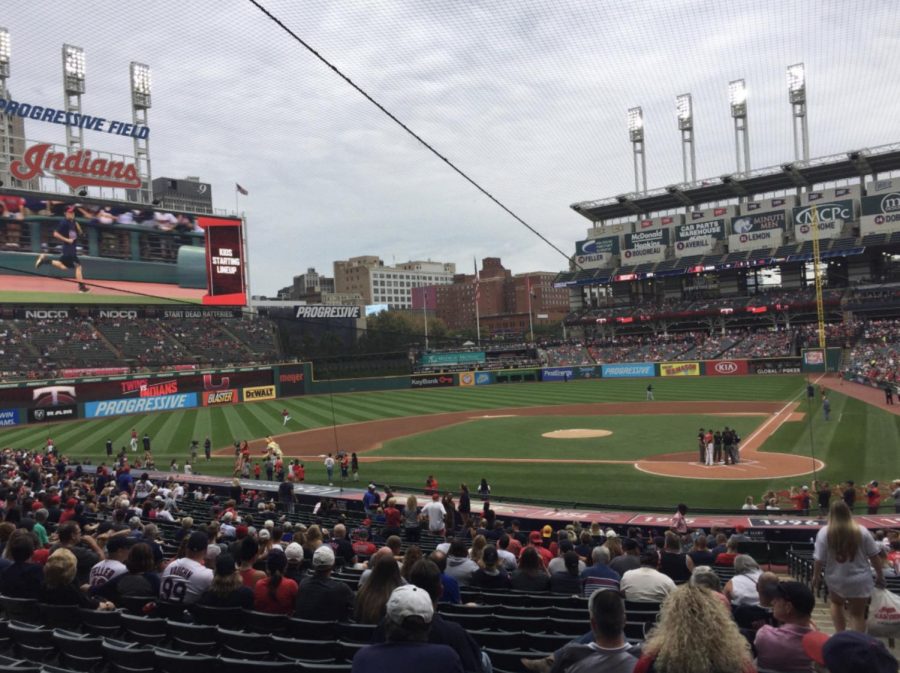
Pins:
x,y
527,96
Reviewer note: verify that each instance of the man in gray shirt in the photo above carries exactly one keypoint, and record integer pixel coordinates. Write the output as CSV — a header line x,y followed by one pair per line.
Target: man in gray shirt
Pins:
x,y
630,560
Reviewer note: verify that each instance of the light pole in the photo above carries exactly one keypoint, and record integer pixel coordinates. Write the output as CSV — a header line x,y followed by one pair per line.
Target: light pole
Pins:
x,y
5,145
73,86
684,107
140,103
636,135
737,98
796,80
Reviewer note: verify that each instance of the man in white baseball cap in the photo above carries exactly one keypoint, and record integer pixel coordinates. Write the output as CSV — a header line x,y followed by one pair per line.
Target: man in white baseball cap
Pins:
x,y
408,620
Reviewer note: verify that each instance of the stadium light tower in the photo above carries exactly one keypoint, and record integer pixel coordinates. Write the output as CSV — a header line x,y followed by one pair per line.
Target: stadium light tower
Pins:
x,y
796,81
140,103
737,98
73,84
636,134
5,145
684,108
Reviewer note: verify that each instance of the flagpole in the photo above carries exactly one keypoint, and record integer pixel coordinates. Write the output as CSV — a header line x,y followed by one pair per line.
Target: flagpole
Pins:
x,y
425,317
477,292
530,323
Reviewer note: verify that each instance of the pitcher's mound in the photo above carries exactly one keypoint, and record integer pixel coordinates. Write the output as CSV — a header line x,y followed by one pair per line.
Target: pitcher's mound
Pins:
x,y
575,433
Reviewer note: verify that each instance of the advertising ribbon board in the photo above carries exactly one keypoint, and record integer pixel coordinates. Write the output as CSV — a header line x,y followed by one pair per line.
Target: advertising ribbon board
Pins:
x,y
291,379
725,368
135,405
880,214
432,381
214,398
679,369
631,370
775,366
9,417
484,378
50,414
259,393
463,358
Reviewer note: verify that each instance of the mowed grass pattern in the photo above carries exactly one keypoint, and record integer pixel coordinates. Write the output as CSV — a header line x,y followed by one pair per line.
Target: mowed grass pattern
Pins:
x,y
862,445
633,437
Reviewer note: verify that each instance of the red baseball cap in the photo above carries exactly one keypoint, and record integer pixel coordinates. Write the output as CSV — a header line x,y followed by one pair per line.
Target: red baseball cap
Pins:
x,y
71,502
535,536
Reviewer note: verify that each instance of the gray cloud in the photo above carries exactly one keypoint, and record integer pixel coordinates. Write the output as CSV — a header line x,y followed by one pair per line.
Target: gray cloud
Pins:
x,y
528,97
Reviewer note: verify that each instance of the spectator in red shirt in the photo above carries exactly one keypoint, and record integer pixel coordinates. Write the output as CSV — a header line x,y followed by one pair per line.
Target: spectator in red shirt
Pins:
x,y
535,540
69,511
275,593
392,519
362,546
873,497
726,558
801,500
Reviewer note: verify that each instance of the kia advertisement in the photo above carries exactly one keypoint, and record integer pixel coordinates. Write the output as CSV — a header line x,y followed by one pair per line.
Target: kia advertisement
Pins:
x,y
432,381
725,368
119,249
291,380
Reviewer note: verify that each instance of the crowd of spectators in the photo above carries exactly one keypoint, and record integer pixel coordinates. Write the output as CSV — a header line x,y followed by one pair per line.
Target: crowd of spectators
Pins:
x,y
876,356
565,355
418,574
36,349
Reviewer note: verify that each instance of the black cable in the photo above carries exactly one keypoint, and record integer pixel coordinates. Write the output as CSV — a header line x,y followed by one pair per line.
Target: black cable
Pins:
x,y
412,133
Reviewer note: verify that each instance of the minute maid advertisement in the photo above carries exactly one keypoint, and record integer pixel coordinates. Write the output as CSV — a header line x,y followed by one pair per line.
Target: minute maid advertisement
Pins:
x,y
595,253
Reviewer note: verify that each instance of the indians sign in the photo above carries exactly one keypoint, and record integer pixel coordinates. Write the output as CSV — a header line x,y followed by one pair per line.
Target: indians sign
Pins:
x,y
80,169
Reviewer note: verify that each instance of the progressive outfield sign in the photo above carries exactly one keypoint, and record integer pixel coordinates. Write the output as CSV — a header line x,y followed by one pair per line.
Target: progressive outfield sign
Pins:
x,y
136,405
628,370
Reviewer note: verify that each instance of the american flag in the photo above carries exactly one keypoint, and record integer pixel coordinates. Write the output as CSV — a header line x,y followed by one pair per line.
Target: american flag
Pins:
x,y
477,281
241,189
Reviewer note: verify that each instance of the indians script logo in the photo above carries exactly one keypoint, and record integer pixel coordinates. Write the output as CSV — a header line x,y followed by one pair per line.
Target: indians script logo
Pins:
x,y
53,396
210,384
726,367
76,170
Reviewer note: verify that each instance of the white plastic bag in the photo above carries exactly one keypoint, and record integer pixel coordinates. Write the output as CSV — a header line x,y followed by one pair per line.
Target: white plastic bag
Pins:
x,y
884,614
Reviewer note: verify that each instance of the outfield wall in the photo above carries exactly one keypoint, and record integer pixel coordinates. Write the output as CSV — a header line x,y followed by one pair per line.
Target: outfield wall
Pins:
x,y
119,394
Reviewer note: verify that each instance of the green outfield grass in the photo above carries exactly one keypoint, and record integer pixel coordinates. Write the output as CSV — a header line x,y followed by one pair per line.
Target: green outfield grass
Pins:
x,y
633,437
860,441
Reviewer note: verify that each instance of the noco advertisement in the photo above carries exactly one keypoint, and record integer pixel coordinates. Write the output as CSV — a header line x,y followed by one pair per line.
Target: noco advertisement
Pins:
x,y
119,250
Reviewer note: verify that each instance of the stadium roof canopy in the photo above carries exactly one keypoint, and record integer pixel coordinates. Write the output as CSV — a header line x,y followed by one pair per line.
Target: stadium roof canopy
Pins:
x,y
793,175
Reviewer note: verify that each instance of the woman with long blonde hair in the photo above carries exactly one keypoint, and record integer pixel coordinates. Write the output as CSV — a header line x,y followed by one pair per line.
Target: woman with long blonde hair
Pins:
x,y
477,550
674,646
844,550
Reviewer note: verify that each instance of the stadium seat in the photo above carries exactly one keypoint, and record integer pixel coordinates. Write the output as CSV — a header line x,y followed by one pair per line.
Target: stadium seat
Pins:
x,y
146,630
123,657
471,622
265,622
243,644
316,667
107,623
498,640
355,633
192,638
229,618
60,616
348,650
11,665
226,665
570,627
135,604
21,609
170,661
511,660
546,642
292,649
312,629
32,642
78,651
